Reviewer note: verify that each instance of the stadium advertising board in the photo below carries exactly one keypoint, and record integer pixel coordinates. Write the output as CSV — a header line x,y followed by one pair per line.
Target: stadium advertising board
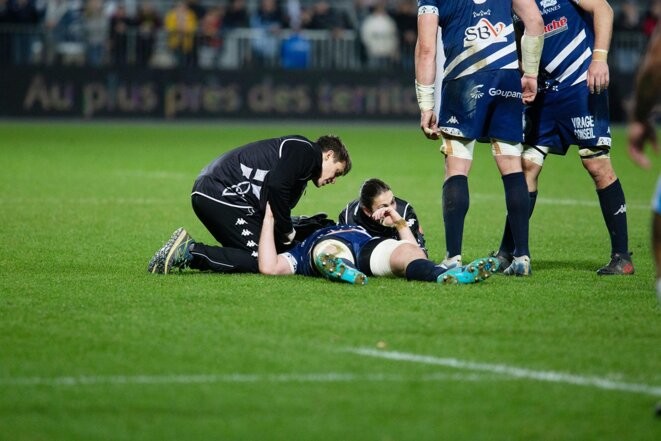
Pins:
x,y
175,94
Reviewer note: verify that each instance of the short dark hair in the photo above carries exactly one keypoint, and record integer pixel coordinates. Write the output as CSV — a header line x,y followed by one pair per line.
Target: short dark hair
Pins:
x,y
335,144
370,190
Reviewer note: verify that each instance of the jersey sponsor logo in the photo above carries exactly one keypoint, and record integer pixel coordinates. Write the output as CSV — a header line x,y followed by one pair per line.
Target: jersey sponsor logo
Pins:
x,y
505,93
452,120
481,13
551,8
479,2
548,3
555,27
255,178
246,232
484,32
476,93
604,140
583,127
621,210
453,131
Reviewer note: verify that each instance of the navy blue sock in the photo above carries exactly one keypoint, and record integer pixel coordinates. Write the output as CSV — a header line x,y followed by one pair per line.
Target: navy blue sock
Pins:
x,y
507,243
518,211
455,207
423,270
614,210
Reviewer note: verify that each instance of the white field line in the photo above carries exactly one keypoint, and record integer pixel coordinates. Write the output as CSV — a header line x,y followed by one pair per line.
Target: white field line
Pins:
x,y
513,371
594,202
164,201
329,377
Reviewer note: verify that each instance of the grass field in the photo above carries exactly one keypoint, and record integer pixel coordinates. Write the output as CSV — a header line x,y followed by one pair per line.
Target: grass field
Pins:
x,y
94,348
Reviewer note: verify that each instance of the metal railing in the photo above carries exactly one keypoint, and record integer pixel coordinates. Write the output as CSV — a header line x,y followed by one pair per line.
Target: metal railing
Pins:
x,y
236,49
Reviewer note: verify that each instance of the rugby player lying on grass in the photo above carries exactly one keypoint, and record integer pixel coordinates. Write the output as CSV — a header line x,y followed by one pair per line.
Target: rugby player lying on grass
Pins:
x,y
350,254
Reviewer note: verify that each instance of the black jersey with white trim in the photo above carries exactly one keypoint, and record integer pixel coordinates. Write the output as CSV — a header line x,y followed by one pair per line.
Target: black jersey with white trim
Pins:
x,y
276,170
353,215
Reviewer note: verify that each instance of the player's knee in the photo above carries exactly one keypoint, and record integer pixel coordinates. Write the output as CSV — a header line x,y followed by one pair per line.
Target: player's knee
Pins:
x,y
334,247
600,169
404,254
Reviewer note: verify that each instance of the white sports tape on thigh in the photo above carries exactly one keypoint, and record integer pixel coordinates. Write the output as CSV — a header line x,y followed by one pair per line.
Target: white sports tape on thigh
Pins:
x,y
380,258
505,148
458,147
335,247
594,152
535,154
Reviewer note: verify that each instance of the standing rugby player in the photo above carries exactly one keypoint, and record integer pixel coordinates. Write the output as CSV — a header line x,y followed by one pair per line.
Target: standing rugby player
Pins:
x,y
571,108
482,100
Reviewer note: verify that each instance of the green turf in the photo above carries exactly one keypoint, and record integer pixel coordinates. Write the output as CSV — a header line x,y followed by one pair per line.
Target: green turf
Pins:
x,y
94,348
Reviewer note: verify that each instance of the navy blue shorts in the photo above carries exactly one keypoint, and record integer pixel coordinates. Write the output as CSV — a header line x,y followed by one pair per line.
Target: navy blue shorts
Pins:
x,y
570,116
482,106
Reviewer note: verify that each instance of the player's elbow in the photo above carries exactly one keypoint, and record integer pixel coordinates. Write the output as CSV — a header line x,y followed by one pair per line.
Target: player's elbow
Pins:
x,y
267,269
425,51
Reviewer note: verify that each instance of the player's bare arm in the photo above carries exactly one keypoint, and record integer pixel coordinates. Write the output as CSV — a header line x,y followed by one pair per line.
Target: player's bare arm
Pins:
x,y
602,17
425,73
646,96
532,43
268,259
389,217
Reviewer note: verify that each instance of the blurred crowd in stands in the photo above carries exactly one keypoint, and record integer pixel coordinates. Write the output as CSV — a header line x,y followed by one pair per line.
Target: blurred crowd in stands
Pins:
x,y
237,33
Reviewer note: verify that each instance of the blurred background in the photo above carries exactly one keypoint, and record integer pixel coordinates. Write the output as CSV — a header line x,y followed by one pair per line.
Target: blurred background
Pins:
x,y
237,58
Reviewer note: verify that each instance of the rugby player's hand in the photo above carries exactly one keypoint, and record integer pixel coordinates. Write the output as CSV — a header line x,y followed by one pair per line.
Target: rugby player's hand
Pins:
x,y
598,76
429,125
386,216
639,133
529,89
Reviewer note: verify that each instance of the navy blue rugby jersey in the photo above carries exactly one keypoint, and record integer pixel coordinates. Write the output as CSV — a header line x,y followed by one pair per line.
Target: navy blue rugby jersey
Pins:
x,y
478,35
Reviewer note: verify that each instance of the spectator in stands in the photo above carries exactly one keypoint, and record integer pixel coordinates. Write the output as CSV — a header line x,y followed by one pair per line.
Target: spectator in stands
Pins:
x,y
5,35
95,25
627,27
336,21
379,34
628,17
361,9
295,51
120,27
328,18
236,15
24,17
652,17
294,14
211,41
148,22
181,25
406,18
198,9
266,23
